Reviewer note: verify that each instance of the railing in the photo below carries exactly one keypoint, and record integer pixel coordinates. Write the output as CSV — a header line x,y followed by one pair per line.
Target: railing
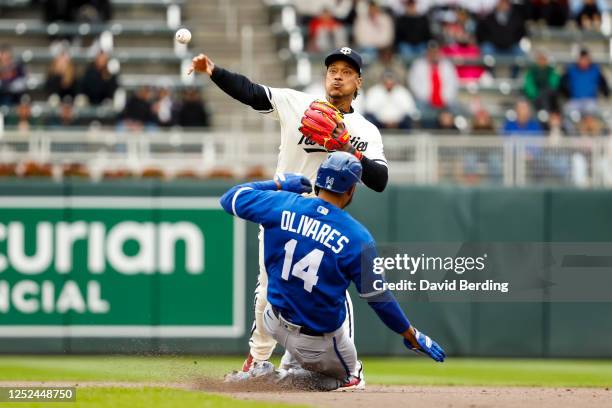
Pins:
x,y
422,159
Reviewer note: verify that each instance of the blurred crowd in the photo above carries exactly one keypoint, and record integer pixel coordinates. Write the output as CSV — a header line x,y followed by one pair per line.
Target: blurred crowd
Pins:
x,y
68,87
419,53
69,11
89,94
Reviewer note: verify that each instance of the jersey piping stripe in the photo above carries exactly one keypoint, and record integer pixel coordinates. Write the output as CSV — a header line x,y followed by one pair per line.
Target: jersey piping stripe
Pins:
x,y
269,94
350,317
348,373
372,294
240,190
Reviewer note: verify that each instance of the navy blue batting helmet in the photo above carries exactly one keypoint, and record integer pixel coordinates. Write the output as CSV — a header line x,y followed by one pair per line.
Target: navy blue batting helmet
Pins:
x,y
339,172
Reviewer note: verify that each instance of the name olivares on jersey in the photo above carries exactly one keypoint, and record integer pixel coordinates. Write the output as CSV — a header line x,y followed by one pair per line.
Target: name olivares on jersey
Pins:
x,y
314,229
355,142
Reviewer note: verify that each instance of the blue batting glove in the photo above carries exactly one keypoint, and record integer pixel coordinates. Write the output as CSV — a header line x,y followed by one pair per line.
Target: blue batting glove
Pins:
x,y
296,183
427,346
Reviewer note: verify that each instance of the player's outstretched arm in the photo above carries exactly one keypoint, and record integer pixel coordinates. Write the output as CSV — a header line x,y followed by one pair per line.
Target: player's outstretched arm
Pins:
x,y
253,201
235,85
388,310
369,282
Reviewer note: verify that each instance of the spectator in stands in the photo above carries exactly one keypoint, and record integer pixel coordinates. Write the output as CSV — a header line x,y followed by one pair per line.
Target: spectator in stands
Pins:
x,y
576,5
24,114
590,126
309,9
460,43
193,111
61,77
555,127
412,32
481,162
457,26
65,116
59,10
524,124
582,82
163,108
138,113
12,77
98,83
541,163
373,29
94,11
541,84
554,13
386,61
398,7
589,16
389,105
433,81
482,123
326,33
500,32
466,72
90,11
445,123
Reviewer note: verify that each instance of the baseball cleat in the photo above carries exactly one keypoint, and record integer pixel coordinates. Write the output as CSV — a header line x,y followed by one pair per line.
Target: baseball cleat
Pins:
x,y
352,384
355,382
236,376
261,369
257,369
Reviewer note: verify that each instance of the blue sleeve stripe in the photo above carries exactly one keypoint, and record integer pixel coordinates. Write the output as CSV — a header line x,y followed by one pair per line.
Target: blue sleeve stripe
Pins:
x,y
236,196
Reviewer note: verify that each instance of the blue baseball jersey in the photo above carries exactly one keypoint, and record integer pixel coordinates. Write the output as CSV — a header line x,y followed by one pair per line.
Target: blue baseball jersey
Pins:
x,y
312,252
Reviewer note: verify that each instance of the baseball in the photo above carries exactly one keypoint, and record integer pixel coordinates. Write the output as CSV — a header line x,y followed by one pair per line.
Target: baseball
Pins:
x,y
183,36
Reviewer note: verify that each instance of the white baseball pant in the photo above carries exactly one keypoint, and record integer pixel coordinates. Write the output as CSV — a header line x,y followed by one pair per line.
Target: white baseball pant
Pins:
x,y
331,354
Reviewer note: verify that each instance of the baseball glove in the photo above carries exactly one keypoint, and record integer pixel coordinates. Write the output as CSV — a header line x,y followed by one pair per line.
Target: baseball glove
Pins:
x,y
323,124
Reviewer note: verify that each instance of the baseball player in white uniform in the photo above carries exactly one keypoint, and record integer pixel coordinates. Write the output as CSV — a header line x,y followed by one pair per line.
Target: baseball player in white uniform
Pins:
x,y
304,144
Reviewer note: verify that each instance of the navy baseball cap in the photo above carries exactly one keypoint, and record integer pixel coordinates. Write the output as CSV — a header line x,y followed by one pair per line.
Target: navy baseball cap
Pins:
x,y
345,54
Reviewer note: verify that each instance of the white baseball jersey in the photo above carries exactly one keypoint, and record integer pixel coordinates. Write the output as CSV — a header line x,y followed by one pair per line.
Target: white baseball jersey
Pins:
x,y
299,155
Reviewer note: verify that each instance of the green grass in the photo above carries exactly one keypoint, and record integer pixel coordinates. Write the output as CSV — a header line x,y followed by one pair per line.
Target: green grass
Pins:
x,y
421,371
488,372
151,397
113,368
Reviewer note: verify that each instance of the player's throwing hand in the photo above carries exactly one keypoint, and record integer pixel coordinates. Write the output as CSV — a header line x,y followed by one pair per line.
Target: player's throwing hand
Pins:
x,y
202,64
293,182
425,345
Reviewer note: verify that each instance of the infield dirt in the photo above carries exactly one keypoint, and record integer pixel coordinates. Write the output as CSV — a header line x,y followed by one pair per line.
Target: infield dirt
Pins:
x,y
384,396
439,397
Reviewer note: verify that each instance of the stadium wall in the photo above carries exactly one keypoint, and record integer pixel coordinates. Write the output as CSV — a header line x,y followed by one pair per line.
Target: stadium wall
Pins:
x,y
400,214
